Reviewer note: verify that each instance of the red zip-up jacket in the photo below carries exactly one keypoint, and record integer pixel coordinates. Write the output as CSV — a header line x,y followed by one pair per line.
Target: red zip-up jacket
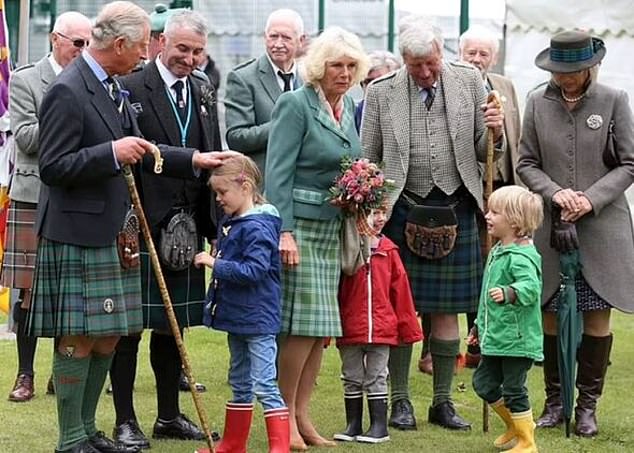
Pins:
x,y
376,303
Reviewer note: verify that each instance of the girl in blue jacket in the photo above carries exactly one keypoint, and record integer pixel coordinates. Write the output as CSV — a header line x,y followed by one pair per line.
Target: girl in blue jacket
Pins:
x,y
508,327
244,300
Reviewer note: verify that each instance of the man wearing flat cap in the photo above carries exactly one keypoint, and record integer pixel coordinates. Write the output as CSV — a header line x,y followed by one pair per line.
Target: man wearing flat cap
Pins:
x,y
577,152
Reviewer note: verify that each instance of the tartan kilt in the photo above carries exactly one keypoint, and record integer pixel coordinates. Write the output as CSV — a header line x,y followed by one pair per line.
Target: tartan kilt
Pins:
x,y
18,263
83,291
186,289
450,284
309,290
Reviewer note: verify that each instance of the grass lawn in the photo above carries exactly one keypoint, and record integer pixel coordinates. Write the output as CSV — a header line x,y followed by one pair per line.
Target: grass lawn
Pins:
x,y
32,427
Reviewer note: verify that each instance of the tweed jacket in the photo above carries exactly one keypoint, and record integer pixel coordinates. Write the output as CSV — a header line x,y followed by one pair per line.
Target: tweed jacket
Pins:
x,y
304,155
563,149
252,91
507,163
26,90
385,134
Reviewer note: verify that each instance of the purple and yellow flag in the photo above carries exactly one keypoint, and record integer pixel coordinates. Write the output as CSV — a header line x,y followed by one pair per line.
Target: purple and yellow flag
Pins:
x,y
4,61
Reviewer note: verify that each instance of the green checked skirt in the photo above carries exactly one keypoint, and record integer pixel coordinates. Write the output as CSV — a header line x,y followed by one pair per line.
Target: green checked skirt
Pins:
x,y
83,291
309,290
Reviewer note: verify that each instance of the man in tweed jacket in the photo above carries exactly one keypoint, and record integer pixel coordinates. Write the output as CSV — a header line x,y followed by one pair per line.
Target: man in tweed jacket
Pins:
x,y
428,123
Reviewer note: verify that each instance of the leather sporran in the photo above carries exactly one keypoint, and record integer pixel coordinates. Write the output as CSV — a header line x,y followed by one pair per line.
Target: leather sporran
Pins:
x,y
610,157
431,231
128,241
179,242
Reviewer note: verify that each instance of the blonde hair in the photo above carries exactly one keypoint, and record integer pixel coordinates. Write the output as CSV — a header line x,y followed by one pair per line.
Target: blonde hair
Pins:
x,y
242,170
332,44
523,209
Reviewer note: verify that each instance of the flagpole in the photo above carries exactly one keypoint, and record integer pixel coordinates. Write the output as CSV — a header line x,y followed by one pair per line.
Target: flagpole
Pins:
x,y
23,33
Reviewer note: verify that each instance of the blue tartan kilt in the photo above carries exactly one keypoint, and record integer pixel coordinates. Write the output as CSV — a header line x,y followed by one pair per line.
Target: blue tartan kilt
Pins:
x,y
83,291
450,284
186,289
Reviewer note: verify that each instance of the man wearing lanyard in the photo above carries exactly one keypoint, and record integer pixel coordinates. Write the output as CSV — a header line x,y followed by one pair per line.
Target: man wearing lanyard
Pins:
x,y
174,108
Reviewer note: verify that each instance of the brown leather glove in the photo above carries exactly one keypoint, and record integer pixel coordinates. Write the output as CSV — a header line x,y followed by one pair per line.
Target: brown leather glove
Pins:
x,y
563,235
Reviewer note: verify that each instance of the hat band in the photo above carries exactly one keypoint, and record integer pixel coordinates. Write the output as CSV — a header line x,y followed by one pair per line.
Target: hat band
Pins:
x,y
571,55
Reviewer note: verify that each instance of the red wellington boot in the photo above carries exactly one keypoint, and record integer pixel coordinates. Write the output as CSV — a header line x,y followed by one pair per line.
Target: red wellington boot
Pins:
x,y
278,430
238,418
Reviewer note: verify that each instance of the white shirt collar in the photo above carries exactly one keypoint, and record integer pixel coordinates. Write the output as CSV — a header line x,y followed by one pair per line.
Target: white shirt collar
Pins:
x,y
168,78
57,68
276,68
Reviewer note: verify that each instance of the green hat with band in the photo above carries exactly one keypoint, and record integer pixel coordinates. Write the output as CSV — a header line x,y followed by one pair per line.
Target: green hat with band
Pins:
x,y
159,16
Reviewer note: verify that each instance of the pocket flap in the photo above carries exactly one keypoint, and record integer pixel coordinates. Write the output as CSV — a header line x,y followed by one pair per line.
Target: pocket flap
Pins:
x,y
308,196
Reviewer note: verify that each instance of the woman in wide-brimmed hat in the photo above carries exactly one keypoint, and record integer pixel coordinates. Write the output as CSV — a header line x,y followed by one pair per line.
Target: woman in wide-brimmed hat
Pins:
x,y
566,155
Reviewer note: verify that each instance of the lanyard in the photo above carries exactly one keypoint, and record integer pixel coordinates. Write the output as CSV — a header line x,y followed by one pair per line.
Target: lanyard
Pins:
x,y
183,128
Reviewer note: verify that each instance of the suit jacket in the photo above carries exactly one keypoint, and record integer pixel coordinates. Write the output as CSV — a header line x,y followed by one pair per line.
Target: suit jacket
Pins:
x,y
563,149
304,155
157,123
84,197
27,87
385,131
507,163
252,91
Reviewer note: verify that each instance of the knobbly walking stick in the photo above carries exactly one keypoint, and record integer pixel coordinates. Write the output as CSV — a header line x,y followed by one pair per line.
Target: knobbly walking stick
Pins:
x,y
488,190
158,273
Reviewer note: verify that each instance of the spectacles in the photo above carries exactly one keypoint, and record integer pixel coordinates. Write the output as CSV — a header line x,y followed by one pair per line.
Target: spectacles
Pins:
x,y
79,43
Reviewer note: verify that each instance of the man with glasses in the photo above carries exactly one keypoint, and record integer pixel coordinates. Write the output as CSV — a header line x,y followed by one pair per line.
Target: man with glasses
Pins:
x,y
254,86
28,83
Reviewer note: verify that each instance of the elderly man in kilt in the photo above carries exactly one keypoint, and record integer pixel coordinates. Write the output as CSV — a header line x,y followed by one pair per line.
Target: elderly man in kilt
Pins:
x,y
71,33
84,295
428,123
166,200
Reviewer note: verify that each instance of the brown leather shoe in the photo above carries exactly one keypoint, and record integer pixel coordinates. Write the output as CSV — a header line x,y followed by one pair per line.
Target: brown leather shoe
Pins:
x,y
22,389
425,364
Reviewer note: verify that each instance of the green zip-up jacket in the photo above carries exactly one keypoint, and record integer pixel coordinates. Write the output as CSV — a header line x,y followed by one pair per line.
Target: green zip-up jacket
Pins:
x,y
512,329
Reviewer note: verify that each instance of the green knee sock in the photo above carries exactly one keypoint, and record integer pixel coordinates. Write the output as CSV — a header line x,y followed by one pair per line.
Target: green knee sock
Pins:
x,y
443,355
70,381
99,366
398,364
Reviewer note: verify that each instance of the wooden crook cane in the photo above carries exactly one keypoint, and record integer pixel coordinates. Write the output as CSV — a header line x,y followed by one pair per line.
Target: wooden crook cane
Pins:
x,y
158,273
493,96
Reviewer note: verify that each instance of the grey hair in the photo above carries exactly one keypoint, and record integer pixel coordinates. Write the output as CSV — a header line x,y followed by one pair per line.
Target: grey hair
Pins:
x,y
67,20
188,19
383,59
481,33
288,15
418,36
119,19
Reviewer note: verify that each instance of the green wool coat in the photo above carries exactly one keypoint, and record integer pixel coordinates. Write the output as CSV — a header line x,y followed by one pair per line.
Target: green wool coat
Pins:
x,y
512,330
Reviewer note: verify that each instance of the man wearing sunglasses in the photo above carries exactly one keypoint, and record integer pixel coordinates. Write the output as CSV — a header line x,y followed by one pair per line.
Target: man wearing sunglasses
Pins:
x,y
28,84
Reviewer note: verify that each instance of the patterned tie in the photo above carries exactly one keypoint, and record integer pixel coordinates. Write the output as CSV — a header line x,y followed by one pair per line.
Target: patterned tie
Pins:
x,y
178,86
287,77
431,93
114,91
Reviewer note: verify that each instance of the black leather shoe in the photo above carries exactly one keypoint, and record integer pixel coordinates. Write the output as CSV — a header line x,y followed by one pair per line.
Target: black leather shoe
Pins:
x,y
101,443
179,428
402,416
82,447
444,415
183,385
129,434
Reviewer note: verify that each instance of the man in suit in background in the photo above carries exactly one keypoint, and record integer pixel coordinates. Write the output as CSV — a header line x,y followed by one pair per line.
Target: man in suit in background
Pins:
x,y
86,295
71,33
175,108
479,46
254,86
428,122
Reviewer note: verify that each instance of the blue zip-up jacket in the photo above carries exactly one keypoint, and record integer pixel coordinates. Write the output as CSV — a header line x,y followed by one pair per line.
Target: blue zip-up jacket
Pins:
x,y
244,296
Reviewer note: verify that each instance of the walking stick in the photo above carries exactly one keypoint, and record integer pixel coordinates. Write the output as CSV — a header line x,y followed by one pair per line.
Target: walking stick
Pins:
x,y
493,96
158,273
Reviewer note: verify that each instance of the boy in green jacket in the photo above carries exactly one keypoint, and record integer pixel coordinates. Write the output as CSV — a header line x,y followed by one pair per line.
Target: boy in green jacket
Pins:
x,y
509,323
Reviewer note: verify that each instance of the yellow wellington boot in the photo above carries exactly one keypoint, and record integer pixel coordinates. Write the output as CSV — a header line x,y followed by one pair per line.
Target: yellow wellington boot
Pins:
x,y
509,438
525,429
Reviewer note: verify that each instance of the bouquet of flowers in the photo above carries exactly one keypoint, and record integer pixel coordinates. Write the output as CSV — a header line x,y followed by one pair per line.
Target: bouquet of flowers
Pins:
x,y
359,188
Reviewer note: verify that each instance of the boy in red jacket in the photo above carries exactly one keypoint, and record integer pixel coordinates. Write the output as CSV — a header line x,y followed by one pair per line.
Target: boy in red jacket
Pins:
x,y
377,311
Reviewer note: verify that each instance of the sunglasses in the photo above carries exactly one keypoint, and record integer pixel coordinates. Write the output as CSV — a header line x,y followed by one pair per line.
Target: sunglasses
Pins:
x,y
79,43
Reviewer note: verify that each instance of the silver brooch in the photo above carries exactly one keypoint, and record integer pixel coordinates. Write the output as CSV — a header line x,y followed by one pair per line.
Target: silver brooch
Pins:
x,y
108,305
594,121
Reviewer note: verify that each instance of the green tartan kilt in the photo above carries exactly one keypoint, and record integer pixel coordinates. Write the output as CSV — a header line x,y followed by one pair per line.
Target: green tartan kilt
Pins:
x,y
83,291
187,294
450,284
309,290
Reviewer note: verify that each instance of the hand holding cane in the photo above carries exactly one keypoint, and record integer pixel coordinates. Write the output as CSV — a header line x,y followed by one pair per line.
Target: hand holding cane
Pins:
x,y
169,310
